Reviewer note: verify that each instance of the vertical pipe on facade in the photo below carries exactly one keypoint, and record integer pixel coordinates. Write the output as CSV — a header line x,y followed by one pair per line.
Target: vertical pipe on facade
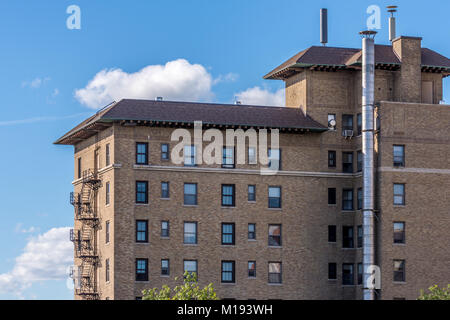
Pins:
x,y
368,79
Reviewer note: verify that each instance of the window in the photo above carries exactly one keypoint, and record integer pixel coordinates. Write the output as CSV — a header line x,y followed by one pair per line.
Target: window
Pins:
x,y
191,266
399,270
332,271
347,162
251,231
331,233
274,197
165,194
399,232
107,155
107,232
347,122
228,233
165,151
359,161
190,155
141,269
228,195
399,194
347,199
141,191
399,156
347,237
190,194
360,273
165,267
274,156
251,193
142,153
79,168
360,236
359,196
190,232
347,274
165,229
275,235
251,155
359,123
331,117
228,271
252,269
228,157
107,270
142,231
107,193
275,272
331,159
331,195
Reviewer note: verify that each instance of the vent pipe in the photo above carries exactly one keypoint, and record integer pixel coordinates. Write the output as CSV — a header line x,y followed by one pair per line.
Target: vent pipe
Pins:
x,y
368,83
324,26
392,10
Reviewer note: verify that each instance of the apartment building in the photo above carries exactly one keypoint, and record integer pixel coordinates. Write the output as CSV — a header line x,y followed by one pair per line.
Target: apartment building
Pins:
x,y
141,220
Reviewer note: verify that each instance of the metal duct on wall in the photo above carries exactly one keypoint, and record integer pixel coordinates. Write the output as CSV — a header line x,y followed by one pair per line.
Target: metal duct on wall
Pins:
x,y
368,83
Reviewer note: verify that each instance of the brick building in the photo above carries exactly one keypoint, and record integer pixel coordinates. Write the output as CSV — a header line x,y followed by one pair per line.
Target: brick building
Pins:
x,y
141,220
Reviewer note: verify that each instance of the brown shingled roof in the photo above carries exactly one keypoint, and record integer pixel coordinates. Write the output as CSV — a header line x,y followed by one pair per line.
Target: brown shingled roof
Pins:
x,y
347,57
182,113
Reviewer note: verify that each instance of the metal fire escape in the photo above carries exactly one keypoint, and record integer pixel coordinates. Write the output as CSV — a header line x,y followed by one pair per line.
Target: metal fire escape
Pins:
x,y
85,236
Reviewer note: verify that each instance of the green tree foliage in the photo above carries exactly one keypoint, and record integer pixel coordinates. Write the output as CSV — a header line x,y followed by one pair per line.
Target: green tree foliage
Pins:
x,y
436,293
189,290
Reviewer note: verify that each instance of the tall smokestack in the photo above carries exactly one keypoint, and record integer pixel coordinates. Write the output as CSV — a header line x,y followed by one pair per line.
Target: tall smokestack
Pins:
x,y
392,9
368,83
324,26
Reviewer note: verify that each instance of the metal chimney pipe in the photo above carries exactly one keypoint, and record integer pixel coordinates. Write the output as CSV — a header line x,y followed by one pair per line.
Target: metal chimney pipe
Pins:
x,y
324,26
368,83
392,9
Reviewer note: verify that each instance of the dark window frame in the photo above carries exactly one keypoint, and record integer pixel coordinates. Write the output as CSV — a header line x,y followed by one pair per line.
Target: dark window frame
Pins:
x,y
359,161
332,159
347,204
190,233
165,155
145,154
402,233
226,196
167,233
332,234
280,274
192,157
107,234
140,232
233,233
272,239
271,199
269,156
346,119
196,266
359,236
398,161
348,238
165,194
347,166
359,124
402,195
141,274
332,199
107,276
145,193
359,198
251,235
107,193
226,157
399,274
79,168
165,271
332,271
194,196
359,273
107,155
348,279
251,273
233,271
251,196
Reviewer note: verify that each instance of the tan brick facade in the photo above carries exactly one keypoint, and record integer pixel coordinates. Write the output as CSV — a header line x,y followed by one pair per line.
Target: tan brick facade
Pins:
x,y
305,214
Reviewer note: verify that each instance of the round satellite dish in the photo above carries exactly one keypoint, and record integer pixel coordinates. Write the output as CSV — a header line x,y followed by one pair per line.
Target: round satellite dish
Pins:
x,y
332,123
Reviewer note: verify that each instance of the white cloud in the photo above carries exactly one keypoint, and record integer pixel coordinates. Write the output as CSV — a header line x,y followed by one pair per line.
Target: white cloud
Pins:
x,y
176,80
35,83
40,119
262,97
229,77
45,257
20,229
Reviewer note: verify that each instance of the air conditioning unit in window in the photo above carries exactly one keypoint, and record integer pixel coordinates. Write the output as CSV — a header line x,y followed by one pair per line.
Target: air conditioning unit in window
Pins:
x,y
347,133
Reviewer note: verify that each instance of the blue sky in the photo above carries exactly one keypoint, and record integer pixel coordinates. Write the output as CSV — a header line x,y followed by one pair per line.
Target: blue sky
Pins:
x,y
228,46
